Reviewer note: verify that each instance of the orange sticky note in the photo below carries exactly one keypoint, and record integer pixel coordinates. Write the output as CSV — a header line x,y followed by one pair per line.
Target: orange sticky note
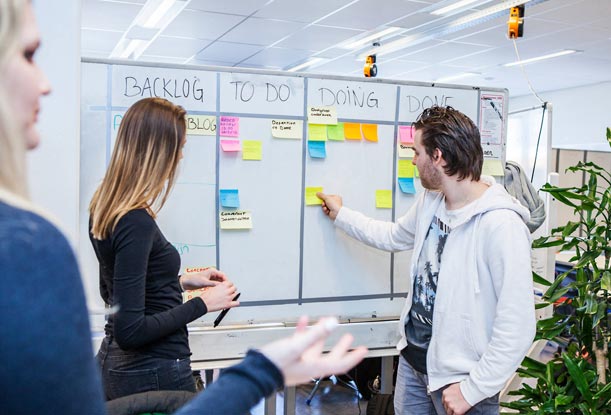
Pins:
x,y
352,131
370,132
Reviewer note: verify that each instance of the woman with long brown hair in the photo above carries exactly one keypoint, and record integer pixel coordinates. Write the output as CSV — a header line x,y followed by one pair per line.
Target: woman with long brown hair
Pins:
x,y
146,345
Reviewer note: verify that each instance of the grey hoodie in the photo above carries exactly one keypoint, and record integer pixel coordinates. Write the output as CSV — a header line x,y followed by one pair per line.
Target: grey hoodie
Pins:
x,y
484,316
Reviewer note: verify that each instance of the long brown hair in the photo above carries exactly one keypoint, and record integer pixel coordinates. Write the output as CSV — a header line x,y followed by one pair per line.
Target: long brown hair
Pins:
x,y
143,164
12,141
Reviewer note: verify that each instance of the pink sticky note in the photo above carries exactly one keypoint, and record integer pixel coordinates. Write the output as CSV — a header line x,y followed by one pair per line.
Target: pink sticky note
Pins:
x,y
231,145
406,134
230,126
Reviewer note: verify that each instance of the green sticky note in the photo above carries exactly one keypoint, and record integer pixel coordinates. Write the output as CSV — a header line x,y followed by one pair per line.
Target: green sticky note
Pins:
x,y
317,132
336,132
251,150
384,199
406,169
310,195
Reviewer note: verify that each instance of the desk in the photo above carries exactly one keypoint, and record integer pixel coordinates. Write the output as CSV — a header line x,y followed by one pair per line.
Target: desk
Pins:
x,y
221,347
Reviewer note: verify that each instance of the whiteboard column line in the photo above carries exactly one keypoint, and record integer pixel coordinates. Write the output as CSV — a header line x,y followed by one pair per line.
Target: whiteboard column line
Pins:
x,y
394,187
218,170
304,132
108,111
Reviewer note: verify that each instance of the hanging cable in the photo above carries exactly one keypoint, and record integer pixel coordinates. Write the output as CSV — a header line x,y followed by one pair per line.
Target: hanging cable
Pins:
x,y
515,47
532,176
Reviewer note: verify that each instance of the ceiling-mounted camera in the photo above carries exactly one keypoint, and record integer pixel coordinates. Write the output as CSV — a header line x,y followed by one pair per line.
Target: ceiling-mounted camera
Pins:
x,y
370,70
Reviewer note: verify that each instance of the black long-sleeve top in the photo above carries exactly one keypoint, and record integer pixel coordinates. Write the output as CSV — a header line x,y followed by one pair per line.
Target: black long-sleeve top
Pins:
x,y
139,273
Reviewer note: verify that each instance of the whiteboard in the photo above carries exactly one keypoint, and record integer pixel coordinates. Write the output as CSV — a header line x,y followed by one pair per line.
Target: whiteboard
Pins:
x,y
293,261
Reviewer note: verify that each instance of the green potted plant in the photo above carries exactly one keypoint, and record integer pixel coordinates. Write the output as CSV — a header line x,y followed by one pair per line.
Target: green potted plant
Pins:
x,y
574,381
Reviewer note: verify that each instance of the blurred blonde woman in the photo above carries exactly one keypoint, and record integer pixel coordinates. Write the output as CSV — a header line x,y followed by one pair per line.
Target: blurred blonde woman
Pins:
x,y
45,339
146,345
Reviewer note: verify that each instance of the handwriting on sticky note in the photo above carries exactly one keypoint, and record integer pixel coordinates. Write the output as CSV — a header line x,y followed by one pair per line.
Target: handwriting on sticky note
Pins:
x,y
292,129
201,124
235,219
317,132
229,198
252,150
406,134
405,151
230,126
317,149
370,132
322,115
384,199
405,168
310,196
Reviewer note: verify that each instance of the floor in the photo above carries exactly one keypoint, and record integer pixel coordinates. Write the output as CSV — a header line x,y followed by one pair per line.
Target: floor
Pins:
x,y
330,399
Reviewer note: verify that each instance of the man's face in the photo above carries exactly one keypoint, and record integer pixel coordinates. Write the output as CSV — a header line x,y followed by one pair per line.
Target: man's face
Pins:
x,y
430,176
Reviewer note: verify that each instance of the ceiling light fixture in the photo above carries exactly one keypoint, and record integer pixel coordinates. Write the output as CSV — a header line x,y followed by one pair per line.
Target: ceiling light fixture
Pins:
x,y
543,57
463,75
447,9
375,36
153,18
306,64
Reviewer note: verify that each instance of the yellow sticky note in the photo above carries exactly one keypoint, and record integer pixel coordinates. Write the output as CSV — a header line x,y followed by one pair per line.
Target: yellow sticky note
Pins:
x,y
201,124
235,219
406,169
370,132
251,150
310,195
352,131
493,167
317,132
384,199
416,172
336,132
405,151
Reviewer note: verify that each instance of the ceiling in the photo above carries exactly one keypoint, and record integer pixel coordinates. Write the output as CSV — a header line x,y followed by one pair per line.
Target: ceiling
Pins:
x,y
279,34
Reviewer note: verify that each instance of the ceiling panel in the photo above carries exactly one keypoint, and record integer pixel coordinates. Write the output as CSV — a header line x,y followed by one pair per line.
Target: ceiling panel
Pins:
x,y
261,31
227,52
202,25
278,57
301,11
316,37
100,41
369,14
176,47
239,7
108,16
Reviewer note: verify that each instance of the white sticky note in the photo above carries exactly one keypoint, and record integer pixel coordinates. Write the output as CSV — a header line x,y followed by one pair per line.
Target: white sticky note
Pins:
x,y
235,219
322,115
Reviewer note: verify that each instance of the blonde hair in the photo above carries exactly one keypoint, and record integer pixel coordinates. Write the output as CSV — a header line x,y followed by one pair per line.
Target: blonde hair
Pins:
x,y
12,141
143,164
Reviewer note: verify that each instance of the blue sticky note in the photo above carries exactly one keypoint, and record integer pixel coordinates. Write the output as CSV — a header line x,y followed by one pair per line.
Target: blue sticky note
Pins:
x,y
317,149
230,198
407,185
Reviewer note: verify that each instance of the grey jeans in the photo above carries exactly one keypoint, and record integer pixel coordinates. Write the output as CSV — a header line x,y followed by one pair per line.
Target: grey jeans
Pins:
x,y
413,398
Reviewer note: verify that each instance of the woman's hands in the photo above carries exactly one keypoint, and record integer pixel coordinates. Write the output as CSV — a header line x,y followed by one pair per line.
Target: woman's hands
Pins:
x,y
220,296
209,277
300,356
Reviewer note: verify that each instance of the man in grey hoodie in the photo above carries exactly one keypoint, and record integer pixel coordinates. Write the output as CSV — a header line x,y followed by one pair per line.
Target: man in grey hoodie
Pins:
x,y
469,319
